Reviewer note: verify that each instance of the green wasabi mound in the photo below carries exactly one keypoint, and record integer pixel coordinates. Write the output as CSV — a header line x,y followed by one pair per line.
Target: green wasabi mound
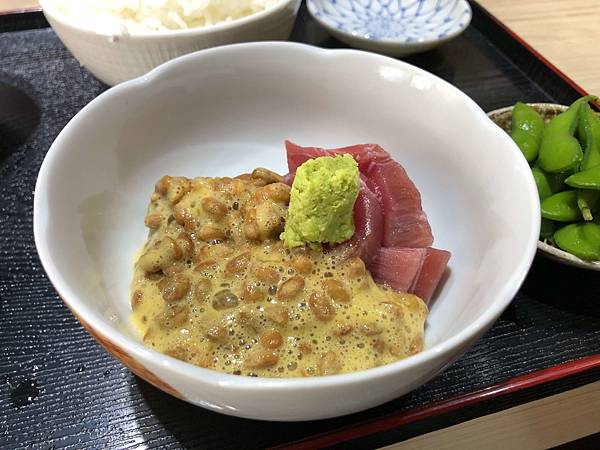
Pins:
x,y
321,202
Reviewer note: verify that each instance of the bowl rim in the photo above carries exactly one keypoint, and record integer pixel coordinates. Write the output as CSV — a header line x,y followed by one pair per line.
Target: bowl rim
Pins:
x,y
213,378
312,9
545,249
556,254
50,9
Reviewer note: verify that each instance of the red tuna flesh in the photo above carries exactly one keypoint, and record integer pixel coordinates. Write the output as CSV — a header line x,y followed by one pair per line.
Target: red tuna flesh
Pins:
x,y
398,267
404,222
363,154
368,226
431,273
387,212
414,270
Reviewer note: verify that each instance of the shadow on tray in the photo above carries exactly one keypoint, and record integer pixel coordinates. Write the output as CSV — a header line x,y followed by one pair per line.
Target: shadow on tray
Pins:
x,y
194,427
19,117
572,290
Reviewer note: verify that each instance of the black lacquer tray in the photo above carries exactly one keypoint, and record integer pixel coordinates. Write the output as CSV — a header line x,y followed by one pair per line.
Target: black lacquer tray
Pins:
x,y
60,389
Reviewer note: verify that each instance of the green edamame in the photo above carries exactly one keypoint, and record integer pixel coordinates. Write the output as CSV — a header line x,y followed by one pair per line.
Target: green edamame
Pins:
x,y
561,207
590,123
589,176
566,171
587,179
560,151
547,183
581,132
580,239
527,130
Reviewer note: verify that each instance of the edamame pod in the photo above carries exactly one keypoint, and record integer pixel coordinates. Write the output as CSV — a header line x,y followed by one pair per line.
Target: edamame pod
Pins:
x,y
560,151
587,179
547,184
590,138
561,207
581,133
589,176
527,130
589,135
580,239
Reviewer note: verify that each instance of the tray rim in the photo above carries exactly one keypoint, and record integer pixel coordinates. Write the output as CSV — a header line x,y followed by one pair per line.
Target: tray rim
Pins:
x,y
393,420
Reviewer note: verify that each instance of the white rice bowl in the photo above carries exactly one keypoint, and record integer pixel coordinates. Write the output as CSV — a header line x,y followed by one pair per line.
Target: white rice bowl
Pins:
x,y
140,16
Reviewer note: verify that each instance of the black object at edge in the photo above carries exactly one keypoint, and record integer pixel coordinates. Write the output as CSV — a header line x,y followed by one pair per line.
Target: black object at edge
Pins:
x,y
23,21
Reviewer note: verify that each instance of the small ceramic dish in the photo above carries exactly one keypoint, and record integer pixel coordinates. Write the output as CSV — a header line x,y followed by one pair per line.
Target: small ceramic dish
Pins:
x,y
392,27
502,117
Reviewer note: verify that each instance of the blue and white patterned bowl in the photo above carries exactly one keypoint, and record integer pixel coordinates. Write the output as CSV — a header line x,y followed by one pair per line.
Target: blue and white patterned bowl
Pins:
x,y
393,27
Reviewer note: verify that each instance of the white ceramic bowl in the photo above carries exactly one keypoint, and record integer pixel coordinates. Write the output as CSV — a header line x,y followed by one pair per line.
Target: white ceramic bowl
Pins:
x,y
117,57
503,118
392,27
226,110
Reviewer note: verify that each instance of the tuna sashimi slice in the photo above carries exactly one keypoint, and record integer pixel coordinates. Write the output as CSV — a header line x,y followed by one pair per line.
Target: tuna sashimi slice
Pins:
x,y
398,267
387,213
368,226
297,155
414,270
363,154
404,221
434,264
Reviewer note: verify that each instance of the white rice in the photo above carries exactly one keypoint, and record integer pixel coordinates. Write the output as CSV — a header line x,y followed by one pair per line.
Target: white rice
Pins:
x,y
135,16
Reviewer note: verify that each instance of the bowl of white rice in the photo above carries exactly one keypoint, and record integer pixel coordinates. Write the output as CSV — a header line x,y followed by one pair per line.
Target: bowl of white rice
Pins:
x,y
117,40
